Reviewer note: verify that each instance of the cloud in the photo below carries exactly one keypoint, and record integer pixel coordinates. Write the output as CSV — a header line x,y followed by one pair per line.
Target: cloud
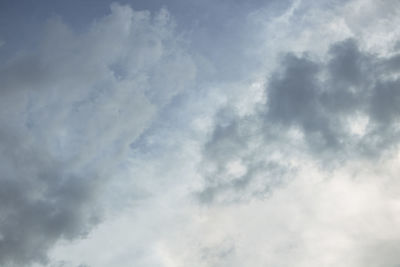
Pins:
x,y
329,125
42,200
339,107
323,98
70,108
275,144
319,218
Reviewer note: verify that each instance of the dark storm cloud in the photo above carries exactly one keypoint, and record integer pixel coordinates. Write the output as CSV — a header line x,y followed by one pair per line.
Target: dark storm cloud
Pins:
x,y
322,100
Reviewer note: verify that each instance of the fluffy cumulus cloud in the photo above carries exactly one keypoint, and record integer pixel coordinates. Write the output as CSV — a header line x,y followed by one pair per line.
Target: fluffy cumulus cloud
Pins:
x,y
258,134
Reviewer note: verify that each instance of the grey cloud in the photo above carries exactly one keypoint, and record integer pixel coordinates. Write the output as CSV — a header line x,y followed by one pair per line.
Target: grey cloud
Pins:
x,y
322,98
41,200
379,253
385,100
267,175
69,110
66,264
346,63
322,101
220,254
234,168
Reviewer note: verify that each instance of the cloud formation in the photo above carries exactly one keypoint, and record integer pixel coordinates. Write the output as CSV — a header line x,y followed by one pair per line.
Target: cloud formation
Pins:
x,y
231,134
324,99
69,111
336,110
329,125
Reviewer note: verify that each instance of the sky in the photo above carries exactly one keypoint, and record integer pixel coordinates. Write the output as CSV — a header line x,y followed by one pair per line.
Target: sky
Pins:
x,y
199,133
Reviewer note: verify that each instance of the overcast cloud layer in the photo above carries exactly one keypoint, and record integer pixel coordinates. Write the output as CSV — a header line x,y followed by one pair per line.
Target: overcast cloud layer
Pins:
x,y
200,133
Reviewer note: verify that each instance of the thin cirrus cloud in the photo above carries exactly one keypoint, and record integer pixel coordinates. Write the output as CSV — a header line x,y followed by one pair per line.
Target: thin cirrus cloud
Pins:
x,y
200,134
